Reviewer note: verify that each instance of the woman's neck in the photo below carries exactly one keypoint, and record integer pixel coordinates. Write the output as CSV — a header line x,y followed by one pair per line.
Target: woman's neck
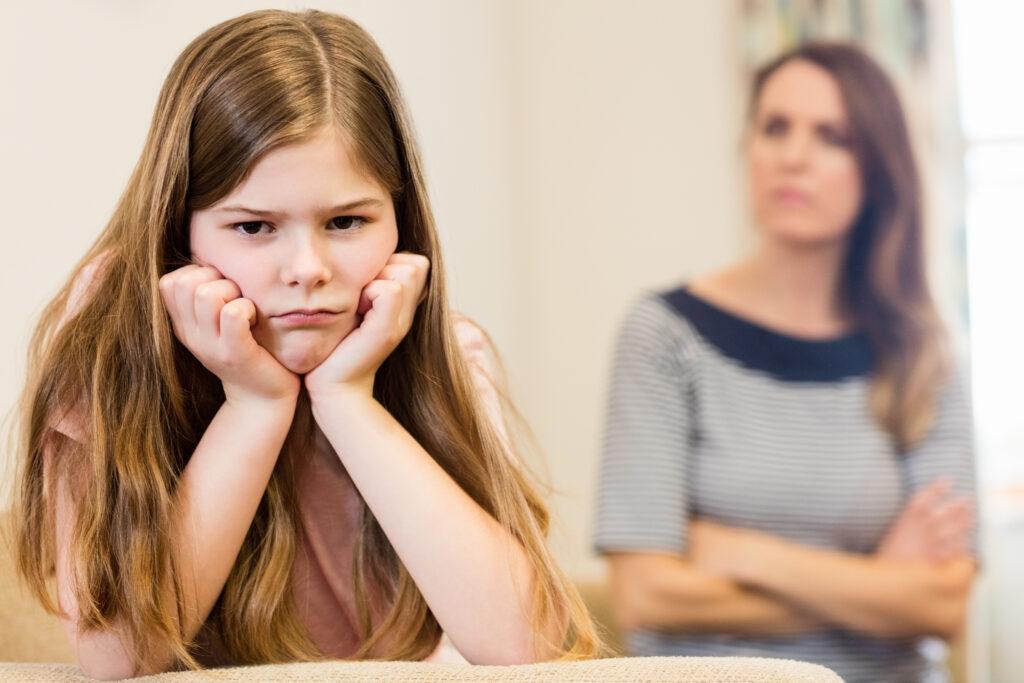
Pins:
x,y
788,288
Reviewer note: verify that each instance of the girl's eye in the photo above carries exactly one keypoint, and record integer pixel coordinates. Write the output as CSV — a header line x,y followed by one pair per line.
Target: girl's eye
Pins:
x,y
347,223
250,228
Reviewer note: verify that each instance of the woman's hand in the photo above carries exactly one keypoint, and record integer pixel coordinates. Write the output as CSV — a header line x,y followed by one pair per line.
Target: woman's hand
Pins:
x,y
387,306
718,548
213,321
932,527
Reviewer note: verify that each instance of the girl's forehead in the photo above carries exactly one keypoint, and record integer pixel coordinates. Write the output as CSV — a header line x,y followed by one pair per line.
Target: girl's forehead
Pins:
x,y
321,171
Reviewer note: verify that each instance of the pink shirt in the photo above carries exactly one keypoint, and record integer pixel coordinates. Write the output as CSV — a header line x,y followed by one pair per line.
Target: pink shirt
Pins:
x,y
330,512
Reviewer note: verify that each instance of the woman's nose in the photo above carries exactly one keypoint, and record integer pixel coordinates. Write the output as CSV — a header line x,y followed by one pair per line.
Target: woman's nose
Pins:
x,y
795,150
307,264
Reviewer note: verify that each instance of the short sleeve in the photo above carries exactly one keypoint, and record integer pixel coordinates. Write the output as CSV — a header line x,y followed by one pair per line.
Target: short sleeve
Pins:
x,y
947,451
72,423
642,501
485,369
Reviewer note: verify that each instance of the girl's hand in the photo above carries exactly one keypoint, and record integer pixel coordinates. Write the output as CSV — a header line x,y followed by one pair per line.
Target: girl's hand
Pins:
x,y
932,527
387,306
213,321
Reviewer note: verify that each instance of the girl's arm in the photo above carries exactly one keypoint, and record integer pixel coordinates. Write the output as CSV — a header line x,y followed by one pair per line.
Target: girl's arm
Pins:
x,y
665,592
868,593
220,490
474,575
224,480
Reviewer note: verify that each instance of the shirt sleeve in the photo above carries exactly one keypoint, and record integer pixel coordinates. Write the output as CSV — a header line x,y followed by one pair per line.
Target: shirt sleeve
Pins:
x,y
486,371
947,451
72,423
642,500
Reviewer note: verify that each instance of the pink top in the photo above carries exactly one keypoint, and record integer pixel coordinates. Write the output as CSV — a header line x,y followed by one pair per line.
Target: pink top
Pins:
x,y
330,513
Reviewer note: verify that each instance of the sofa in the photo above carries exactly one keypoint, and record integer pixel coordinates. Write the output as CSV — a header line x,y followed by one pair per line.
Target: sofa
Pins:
x,y
33,647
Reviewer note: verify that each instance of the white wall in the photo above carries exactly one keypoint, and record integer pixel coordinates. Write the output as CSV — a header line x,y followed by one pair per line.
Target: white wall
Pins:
x,y
629,151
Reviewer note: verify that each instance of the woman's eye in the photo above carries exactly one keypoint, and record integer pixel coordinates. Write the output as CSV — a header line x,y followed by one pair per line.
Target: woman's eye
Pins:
x,y
775,126
832,136
346,223
250,228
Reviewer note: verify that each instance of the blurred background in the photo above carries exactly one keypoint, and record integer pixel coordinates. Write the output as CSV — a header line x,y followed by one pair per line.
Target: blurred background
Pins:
x,y
577,152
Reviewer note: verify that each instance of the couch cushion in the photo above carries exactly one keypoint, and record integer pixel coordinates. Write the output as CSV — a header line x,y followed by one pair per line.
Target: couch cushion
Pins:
x,y
686,669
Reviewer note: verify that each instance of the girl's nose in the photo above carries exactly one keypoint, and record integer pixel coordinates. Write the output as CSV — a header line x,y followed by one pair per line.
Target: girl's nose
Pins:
x,y
307,265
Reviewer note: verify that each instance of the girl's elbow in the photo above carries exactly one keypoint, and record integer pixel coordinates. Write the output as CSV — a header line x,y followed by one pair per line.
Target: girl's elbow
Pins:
x,y
525,647
505,654
106,670
102,656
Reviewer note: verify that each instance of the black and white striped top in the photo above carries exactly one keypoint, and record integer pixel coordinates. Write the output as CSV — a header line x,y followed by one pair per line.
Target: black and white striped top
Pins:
x,y
712,416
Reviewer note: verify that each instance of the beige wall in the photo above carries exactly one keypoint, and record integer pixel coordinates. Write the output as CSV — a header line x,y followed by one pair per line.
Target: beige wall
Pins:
x,y
574,152
629,129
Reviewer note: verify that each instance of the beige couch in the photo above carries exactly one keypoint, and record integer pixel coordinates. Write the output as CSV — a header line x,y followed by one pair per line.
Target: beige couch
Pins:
x,y
33,647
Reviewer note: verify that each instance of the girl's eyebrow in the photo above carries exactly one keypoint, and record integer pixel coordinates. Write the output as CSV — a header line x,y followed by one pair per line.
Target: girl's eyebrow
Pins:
x,y
365,202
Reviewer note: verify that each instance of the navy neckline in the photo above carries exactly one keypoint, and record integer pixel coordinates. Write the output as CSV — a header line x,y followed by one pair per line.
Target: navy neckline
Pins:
x,y
782,356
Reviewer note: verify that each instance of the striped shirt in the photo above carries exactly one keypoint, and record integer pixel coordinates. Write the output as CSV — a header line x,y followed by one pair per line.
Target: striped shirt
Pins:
x,y
712,416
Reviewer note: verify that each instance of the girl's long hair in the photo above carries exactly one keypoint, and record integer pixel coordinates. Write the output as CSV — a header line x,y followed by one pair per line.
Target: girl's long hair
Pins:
x,y
884,282
241,89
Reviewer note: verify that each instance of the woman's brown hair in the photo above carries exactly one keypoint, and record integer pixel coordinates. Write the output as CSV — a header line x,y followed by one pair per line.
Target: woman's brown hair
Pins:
x,y
884,283
241,89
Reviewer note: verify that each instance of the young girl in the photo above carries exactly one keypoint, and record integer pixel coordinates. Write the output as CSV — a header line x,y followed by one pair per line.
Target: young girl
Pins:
x,y
253,431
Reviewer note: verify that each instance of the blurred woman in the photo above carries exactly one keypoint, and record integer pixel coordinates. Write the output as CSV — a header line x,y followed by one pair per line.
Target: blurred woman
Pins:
x,y
787,465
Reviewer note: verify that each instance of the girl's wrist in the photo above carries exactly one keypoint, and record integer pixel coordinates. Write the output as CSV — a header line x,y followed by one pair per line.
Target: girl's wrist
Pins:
x,y
355,390
262,405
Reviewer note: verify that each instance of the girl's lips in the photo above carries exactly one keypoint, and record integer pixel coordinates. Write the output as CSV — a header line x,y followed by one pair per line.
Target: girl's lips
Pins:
x,y
300,319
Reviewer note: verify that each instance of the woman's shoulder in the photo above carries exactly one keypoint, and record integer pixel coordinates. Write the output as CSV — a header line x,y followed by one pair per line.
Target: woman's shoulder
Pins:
x,y
653,327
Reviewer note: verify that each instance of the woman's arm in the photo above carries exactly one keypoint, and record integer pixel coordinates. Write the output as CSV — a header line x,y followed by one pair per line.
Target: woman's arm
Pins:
x,y
663,592
867,593
220,490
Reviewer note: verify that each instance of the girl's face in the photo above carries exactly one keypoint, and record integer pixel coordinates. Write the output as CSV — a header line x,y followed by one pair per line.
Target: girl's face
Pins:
x,y
306,230
804,179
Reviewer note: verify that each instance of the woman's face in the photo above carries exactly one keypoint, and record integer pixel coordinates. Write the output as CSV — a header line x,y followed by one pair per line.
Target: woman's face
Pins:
x,y
804,179
307,229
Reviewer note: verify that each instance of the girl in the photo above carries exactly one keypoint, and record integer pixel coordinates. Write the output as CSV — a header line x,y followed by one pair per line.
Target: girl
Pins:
x,y
251,433
788,468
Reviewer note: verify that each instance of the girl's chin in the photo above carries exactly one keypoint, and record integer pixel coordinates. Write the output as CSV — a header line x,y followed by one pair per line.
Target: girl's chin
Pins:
x,y
301,360
301,351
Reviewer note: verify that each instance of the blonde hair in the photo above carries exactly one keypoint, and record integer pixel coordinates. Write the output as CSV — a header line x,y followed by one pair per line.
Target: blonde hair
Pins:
x,y
244,87
884,281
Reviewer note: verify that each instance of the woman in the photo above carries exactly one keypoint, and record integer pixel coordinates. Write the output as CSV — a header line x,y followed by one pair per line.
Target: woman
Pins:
x,y
253,431
787,467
